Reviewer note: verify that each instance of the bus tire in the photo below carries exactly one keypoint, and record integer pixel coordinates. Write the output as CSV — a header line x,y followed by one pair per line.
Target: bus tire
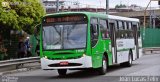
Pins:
x,y
62,72
129,62
102,70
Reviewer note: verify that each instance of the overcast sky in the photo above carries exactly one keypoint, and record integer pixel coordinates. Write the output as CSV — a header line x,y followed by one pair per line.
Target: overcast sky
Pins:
x,y
112,3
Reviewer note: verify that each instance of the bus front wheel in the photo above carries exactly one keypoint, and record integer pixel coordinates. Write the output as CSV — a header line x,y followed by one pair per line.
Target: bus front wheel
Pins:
x,y
102,70
62,72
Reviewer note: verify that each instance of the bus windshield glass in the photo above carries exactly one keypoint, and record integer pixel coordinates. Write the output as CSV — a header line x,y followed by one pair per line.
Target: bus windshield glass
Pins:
x,y
64,35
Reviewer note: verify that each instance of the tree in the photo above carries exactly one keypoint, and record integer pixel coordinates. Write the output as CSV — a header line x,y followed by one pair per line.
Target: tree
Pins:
x,y
21,14
121,6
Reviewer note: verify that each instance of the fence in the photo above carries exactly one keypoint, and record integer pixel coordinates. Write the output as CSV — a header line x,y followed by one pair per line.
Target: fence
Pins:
x,y
151,37
12,47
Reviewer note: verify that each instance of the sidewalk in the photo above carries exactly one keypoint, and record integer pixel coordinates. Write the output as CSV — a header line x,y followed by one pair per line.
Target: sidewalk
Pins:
x,y
151,50
24,68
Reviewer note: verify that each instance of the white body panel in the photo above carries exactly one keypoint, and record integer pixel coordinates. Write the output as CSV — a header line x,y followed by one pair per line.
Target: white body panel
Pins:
x,y
86,62
140,47
113,53
123,46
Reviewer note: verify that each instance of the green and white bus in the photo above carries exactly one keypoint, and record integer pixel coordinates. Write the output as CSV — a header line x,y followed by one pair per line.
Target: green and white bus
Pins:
x,y
80,40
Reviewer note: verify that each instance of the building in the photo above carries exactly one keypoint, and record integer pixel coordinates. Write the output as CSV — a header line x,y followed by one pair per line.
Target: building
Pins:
x,y
64,5
133,10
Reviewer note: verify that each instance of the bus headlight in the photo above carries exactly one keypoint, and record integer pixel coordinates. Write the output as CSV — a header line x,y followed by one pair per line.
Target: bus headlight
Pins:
x,y
45,57
84,55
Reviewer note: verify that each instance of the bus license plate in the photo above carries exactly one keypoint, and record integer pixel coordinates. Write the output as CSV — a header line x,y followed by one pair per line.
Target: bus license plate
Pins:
x,y
64,63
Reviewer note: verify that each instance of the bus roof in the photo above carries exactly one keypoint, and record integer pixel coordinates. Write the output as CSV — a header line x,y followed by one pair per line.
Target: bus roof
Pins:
x,y
99,15
123,18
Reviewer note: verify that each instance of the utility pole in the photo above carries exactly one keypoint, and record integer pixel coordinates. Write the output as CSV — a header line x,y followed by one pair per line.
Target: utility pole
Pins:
x,y
159,3
154,19
107,6
57,6
145,13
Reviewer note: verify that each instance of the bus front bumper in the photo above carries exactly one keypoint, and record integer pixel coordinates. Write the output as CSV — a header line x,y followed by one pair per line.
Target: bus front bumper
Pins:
x,y
83,62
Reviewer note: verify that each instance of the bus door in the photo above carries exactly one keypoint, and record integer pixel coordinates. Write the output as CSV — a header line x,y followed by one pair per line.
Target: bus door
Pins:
x,y
95,47
135,34
113,41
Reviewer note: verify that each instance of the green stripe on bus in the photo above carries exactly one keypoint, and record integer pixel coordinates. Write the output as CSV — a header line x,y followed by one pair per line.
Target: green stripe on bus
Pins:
x,y
125,49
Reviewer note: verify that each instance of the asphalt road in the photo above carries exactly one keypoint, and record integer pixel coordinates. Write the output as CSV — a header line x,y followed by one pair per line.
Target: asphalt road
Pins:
x,y
145,69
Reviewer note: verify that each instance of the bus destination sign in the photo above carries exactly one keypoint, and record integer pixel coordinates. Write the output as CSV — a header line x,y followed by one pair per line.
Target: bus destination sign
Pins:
x,y
74,18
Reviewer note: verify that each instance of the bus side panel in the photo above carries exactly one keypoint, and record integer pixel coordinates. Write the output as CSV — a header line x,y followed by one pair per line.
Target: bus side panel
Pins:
x,y
123,47
108,49
98,53
96,60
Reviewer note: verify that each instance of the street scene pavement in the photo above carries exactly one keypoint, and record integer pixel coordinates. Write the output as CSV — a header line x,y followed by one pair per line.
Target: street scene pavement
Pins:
x,y
73,30
145,69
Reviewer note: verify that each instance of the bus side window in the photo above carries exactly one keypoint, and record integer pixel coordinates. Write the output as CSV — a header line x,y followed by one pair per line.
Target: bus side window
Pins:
x,y
104,28
139,34
125,29
130,26
130,30
125,25
120,25
94,31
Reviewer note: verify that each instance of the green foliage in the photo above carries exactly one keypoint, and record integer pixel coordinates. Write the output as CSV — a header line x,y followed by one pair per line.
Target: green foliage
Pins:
x,y
121,6
21,14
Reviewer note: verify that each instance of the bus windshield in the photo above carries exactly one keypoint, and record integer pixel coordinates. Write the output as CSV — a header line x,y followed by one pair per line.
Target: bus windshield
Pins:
x,y
64,35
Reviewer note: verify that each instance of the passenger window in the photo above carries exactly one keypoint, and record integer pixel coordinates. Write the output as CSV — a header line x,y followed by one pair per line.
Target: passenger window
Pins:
x,y
120,25
125,25
139,30
94,31
129,25
104,28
